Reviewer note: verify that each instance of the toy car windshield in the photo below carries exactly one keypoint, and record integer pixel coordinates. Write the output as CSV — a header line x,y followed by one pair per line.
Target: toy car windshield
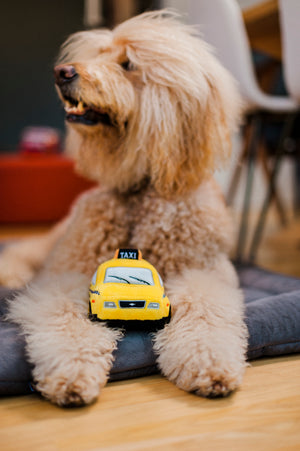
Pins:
x,y
136,276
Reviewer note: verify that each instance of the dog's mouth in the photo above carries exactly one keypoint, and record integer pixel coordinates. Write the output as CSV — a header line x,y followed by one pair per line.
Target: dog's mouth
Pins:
x,y
81,113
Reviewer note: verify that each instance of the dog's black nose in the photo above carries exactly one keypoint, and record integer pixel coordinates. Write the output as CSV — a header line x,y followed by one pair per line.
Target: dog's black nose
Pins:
x,y
64,74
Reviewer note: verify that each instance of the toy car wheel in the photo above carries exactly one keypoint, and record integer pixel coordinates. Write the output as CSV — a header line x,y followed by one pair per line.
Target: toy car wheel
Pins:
x,y
160,324
92,316
169,316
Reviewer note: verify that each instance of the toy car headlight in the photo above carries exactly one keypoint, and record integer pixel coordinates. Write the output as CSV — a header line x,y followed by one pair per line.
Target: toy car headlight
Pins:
x,y
110,304
153,305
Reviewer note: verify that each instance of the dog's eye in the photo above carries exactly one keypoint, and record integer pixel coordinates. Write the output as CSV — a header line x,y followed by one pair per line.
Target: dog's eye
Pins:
x,y
127,65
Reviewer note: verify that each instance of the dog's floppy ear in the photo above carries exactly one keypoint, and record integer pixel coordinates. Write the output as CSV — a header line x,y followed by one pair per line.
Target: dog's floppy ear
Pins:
x,y
187,125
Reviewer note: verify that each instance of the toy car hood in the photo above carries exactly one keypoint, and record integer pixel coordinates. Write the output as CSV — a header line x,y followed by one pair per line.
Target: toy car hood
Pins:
x,y
125,292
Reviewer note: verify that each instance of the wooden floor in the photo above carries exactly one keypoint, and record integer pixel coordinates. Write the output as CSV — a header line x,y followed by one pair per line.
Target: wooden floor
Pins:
x,y
152,414
280,250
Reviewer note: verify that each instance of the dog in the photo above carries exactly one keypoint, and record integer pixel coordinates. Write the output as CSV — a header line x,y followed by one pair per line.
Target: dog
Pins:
x,y
149,114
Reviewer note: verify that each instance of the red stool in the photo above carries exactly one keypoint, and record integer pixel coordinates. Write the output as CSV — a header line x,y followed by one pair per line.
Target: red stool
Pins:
x,y
37,188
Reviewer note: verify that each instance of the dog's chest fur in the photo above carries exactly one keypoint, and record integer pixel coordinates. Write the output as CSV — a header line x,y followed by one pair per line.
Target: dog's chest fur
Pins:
x,y
175,234
172,234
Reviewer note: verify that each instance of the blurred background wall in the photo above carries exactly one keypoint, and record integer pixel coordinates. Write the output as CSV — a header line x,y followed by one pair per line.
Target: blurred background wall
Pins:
x,y
31,32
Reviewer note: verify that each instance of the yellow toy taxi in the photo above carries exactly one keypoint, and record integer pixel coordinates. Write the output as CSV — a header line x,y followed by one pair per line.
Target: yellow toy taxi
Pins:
x,y
128,288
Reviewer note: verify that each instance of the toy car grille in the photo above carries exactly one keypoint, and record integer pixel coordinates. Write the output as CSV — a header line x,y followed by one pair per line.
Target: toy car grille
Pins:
x,y
132,304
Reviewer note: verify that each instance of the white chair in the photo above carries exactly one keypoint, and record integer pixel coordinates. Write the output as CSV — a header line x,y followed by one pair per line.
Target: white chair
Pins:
x,y
222,26
289,14
289,19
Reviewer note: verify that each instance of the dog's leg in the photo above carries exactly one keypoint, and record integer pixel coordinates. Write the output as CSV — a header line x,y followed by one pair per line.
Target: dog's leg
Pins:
x,y
71,356
203,348
20,261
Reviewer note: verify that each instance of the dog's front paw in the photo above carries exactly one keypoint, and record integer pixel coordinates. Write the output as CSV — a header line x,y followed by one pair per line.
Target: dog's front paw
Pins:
x,y
208,381
196,365
71,368
73,382
15,275
15,271
72,390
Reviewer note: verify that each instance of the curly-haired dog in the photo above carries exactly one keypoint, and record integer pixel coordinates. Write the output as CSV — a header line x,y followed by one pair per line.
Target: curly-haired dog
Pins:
x,y
149,113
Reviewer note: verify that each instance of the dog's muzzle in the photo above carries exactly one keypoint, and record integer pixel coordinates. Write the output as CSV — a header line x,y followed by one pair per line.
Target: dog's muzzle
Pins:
x,y
77,111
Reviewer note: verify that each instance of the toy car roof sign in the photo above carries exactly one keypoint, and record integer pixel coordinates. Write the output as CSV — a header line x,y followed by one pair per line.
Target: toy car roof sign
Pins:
x,y
129,254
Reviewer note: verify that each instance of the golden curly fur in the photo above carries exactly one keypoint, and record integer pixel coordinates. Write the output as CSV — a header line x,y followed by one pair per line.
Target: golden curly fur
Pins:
x,y
162,110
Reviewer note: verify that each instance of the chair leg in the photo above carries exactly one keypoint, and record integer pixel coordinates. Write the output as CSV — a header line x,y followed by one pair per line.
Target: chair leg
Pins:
x,y
277,199
253,142
239,166
296,174
271,189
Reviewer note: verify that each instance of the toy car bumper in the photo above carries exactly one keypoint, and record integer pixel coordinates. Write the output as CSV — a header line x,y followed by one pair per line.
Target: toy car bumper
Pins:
x,y
126,310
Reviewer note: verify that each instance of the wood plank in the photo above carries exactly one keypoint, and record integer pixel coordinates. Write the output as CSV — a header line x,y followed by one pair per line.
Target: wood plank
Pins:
x,y
15,231
280,251
151,413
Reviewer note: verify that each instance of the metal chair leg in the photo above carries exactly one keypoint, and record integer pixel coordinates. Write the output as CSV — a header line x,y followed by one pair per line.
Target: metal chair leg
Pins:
x,y
256,131
276,195
271,189
239,166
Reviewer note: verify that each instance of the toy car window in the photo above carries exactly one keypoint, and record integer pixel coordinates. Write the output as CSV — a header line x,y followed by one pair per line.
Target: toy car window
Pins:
x,y
160,280
133,276
94,278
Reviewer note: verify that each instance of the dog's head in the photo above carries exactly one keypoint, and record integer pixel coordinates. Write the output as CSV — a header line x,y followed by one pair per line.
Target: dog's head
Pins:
x,y
146,101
